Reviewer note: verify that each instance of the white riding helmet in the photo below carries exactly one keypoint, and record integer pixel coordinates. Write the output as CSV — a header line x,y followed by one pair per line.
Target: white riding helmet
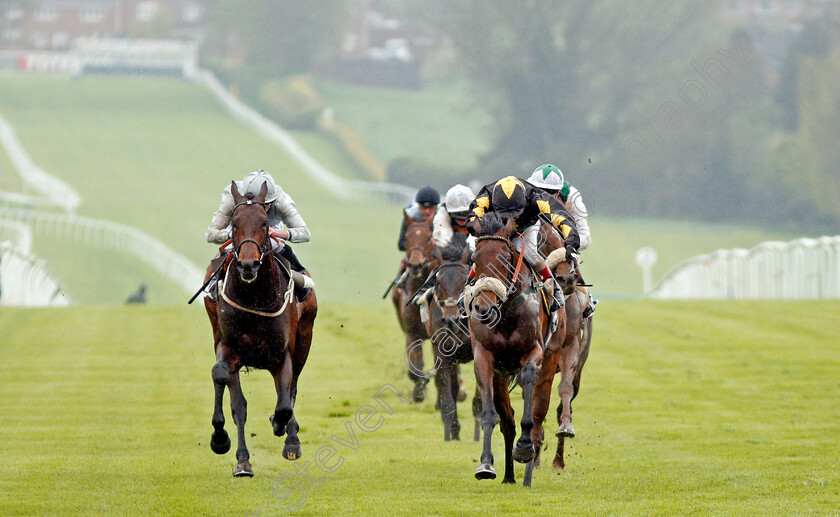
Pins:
x,y
547,177
253,182
458,198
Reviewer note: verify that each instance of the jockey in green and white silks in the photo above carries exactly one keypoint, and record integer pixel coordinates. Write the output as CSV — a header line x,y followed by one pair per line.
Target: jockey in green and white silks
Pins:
x,y
549,178
282,212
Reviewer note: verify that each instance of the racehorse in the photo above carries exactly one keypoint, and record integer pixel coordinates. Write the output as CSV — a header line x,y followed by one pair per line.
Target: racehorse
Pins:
x,y
450,336
508,324
257,322
421,256
567,354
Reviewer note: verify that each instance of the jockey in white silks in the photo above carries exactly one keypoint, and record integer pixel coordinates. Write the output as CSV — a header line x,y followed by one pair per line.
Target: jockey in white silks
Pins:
x,y
282,212
549,178
452,216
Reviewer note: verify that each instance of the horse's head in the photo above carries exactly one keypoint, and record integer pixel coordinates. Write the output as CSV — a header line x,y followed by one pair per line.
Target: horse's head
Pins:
x,y
249,231
494,263
553,249
451,277
420,249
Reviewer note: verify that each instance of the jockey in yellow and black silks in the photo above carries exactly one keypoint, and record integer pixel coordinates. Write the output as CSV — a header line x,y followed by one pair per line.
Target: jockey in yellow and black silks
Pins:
x,y
515,198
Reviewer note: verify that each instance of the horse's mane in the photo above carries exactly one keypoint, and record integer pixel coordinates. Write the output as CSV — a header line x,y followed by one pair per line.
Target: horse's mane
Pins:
x,y
491,223
455,250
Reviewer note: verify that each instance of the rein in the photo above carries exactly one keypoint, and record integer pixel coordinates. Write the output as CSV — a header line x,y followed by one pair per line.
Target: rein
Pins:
x,y
287,297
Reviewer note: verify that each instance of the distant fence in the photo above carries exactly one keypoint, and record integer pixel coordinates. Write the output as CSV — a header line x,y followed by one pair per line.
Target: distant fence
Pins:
x,y
337,185
800,269
57,192
114,236
26,281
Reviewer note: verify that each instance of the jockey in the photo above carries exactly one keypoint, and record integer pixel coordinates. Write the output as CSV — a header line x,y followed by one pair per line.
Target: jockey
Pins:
x,y
514,198
423,208
451,217
549,178
282,211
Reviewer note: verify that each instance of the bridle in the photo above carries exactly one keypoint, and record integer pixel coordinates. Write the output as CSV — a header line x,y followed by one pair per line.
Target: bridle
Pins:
x,y
446,302
418,248
511,278
264,247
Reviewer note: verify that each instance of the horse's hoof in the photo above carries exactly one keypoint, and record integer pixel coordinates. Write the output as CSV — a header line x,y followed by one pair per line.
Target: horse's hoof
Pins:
x,y
222,445
419,394
292,452
523,454
565,431
485,471
558,464
279,420
510,481
462,394
243,470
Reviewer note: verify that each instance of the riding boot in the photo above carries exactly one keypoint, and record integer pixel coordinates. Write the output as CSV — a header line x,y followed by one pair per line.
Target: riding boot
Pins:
x,y
301,293
590,307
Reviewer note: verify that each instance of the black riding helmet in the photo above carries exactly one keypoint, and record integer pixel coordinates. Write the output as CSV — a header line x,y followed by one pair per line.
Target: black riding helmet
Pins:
x,y
509,197
427,196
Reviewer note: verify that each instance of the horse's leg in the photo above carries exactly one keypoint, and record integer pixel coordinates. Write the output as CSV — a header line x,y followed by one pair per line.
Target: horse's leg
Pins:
x,y
568,371
291,447
476,409
484,374
524,450
219,440
507,424
303,342
283,385
414,354
448,410
541,398
239,411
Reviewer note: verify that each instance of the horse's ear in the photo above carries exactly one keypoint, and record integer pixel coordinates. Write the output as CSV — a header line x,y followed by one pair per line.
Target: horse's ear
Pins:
x,y
408,220
234,190
465,255
508,229
263,192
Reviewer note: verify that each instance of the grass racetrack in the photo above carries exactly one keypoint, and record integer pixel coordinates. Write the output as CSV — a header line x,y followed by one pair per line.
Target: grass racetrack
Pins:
x,y
685,408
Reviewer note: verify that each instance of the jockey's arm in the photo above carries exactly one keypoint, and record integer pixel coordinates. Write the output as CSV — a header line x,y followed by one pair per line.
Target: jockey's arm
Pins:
x,y
479,206
219,230
580,215
442,227
296,228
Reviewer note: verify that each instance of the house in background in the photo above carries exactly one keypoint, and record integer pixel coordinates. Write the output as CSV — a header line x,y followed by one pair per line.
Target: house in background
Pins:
x,y
54,24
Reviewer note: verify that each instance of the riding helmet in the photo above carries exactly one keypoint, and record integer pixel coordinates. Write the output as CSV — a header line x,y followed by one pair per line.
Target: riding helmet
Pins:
x,y
253,182
427,196
509,197
547,177
458,199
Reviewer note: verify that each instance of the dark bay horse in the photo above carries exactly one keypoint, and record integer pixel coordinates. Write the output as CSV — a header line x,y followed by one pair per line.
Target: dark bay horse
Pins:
x,y
508,325
421,257
450,335
567,352
257,322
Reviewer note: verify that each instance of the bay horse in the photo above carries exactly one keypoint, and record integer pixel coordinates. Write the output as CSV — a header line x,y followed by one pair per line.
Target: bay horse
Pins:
x,y
450,335
508,326
257,322
567,354
421,257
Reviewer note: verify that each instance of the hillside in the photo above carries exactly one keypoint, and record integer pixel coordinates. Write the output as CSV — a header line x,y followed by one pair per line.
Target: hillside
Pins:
x,y
156,154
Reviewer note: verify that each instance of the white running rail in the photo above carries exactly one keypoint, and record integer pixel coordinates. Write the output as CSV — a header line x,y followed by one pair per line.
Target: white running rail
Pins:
x,y
337,185
114,236
52,188
26,281
807,269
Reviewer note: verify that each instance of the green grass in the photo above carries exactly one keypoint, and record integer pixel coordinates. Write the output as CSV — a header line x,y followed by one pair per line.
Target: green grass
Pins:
x,y
441,124
685,408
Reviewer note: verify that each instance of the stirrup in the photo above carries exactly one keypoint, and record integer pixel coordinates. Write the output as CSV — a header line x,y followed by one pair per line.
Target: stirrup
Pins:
x,y
590,308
